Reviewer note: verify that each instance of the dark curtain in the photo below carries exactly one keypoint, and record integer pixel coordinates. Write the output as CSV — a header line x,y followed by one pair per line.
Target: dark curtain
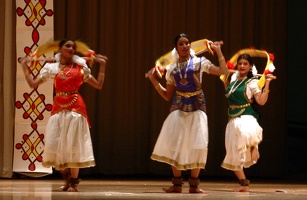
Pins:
x,y
127,114
296,85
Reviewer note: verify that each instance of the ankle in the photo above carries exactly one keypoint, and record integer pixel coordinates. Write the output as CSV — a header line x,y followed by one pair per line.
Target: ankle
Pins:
x,y
73,182
244,182
177,185
177,181
194,182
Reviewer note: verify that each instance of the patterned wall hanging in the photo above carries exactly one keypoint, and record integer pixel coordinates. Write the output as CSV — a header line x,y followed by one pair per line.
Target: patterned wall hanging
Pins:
x,y
34,26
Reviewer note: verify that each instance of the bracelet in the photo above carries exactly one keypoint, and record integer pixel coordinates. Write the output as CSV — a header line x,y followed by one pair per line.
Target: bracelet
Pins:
x,y
221,59
267,91
101,73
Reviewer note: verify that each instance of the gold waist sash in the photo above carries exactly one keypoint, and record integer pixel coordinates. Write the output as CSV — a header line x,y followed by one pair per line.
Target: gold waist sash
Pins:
x,y
189,94
239,106
66,93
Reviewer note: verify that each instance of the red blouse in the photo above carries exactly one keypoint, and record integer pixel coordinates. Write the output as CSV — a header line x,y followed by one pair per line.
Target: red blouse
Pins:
x,y
67,83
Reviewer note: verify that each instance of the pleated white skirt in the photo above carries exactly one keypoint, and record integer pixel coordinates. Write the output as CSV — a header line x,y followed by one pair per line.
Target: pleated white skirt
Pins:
x,y
241,134
183,140
68,142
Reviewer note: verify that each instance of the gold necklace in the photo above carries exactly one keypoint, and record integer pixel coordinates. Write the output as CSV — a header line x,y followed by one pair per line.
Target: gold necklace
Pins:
x,y
183,79
64,75
232,89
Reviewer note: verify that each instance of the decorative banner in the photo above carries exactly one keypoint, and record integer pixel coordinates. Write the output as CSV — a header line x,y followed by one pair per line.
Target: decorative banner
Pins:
x,y
34,26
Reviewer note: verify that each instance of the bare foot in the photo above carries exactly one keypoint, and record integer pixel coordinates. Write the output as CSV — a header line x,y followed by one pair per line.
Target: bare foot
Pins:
x,y
241,189
72,189
197,190
173,189
66,176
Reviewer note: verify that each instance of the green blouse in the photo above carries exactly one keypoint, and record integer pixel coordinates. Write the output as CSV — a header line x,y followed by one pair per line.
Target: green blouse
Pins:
x,y
238,101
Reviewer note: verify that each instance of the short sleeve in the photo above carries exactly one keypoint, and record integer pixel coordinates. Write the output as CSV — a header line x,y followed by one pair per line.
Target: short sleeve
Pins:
x,y
170,79
48,71
252,88
87,73
205,65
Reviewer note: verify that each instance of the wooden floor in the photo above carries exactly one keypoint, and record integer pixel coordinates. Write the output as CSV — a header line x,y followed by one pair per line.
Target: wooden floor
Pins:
x,y
42,189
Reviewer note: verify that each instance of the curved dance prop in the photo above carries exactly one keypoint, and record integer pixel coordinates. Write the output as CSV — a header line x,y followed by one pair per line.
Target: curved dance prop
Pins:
x,y
50,46
199,47
269,68
53,46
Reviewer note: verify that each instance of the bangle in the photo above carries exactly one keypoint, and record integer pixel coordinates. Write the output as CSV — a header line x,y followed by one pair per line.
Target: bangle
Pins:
x,y
266,91
221,58
101,73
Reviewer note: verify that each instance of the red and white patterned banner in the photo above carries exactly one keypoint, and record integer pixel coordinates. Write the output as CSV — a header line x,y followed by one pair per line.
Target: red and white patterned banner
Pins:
x,y
34,26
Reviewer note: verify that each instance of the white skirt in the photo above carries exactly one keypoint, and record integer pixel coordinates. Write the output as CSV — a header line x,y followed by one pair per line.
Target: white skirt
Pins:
x,y
241,134
68,142
183,140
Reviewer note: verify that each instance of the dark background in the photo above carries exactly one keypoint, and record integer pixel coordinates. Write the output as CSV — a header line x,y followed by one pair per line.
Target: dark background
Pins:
x,y
127,114
296,86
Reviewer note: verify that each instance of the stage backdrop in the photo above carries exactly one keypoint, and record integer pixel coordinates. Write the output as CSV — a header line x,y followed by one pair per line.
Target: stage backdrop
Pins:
x,y
127,114
34,26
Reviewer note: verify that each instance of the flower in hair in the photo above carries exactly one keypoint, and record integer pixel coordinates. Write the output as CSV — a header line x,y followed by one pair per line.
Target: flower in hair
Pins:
x,y
57,57
254,70
175,54
192,52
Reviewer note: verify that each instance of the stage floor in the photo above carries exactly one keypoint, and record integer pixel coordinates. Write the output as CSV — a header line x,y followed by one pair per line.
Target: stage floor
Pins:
x,y
38,189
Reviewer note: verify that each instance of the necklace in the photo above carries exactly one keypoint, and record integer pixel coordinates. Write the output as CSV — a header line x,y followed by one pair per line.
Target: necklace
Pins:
x,y
232,89
183,79
64,75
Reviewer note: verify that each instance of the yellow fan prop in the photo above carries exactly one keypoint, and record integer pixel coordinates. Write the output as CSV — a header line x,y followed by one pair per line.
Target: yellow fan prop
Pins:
x,y
252,53
53,46
199,47
48,47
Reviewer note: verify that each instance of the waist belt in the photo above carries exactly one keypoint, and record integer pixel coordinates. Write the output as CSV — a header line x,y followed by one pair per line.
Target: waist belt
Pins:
x,y
189,94
239,106
66,93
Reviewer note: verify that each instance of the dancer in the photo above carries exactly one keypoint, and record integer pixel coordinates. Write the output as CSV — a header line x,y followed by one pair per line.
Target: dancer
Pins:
x,y
68,144
183,139
243,133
